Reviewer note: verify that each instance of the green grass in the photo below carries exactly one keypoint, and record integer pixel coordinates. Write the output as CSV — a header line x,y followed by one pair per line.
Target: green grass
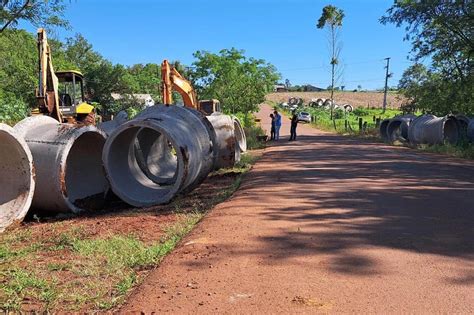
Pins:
x,y
322,119
463,150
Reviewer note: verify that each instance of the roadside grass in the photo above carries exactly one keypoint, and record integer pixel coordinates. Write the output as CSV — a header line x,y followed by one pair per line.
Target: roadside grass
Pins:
x,y
70,269
462,150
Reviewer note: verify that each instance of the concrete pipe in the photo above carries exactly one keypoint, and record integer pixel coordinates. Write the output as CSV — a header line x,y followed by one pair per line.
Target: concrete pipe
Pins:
x,y
109,126
383,129
320,102
397,128
240,135
186,135
67,158
348,108
194,118
17,177
463,124
470,131
226,144
430,129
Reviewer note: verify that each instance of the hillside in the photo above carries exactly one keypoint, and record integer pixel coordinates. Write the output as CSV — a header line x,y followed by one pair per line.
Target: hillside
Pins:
x,y
356,99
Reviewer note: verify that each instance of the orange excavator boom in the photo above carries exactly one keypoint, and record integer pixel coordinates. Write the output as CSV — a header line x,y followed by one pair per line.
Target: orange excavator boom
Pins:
x,y
173,79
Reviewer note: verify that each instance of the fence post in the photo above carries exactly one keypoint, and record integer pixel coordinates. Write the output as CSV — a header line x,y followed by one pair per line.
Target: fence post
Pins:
x,y
377,122
360,124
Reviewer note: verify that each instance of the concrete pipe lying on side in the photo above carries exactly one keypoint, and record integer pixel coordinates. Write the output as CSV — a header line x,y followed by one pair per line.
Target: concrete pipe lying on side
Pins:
x,y
226,143
383,129
17,177
186,134
397,128
240,135
67,159
109,126
463,124
470,131
429,129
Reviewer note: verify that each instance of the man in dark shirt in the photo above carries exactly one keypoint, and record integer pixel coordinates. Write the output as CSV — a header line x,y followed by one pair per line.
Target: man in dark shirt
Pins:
x,y
294,124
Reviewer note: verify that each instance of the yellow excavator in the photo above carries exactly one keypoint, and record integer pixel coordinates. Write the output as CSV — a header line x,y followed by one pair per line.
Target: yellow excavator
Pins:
x,y
60,94
172,79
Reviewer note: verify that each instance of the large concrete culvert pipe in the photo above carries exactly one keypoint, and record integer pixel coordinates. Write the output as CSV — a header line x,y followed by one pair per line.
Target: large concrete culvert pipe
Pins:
x,y
68,163
463,124
383,129
470,131
226,142
429,129
240,134
182,131
17,177
397,128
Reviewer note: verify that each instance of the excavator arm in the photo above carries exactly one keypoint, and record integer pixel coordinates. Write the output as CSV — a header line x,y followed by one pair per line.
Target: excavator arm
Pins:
x,y
172,79
47,92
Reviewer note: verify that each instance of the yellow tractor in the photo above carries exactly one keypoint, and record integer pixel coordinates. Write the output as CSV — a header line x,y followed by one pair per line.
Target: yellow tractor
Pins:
x,y
60,94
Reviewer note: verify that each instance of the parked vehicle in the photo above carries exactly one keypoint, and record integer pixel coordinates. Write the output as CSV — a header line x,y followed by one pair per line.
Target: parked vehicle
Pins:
x,y
304,117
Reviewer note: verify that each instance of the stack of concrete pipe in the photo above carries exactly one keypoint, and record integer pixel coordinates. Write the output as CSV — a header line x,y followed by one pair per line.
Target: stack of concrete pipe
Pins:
x,y
427,129
163,151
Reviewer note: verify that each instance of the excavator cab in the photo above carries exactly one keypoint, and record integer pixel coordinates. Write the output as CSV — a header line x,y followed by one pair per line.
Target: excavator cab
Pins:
x,y
71,95
209,106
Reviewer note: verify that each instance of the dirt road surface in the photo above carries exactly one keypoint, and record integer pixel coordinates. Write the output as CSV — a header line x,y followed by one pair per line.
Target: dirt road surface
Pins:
x,y
329,224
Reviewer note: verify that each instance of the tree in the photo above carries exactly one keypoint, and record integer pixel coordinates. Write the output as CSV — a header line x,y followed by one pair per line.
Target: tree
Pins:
x,y
331,18
37,12
440,31
240,83
287,83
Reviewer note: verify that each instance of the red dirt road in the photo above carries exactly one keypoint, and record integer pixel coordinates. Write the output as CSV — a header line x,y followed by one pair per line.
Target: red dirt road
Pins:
x,y
329,224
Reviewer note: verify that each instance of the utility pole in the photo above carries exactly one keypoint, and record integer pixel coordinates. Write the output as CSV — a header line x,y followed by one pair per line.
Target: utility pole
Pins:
x,y
386,85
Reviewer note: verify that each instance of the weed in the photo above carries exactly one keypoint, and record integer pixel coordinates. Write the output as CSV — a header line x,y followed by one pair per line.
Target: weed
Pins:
x,y
22,283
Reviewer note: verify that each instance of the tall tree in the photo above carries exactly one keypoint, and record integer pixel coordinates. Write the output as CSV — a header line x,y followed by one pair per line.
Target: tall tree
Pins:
x,y
443,33
331,18
37,12
240,83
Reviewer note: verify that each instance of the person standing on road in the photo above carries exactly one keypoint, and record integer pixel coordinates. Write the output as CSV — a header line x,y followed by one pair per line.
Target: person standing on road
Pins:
x,y
272,131
294,124
277,125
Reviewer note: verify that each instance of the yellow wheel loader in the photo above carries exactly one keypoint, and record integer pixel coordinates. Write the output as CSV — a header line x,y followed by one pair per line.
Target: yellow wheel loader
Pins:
x,y
60,94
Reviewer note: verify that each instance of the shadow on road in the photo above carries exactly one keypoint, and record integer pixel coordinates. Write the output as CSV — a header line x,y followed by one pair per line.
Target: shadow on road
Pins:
x,y
346,194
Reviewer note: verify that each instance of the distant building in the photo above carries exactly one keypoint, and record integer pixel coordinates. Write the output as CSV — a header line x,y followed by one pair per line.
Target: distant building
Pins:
x,y
144,99
280,88
312,88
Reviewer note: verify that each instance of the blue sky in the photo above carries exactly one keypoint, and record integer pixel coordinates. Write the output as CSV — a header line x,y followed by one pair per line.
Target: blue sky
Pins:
x,y
282,32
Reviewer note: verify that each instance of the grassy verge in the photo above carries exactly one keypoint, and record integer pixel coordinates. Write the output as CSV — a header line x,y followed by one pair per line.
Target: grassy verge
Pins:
x,y
464,150
61,266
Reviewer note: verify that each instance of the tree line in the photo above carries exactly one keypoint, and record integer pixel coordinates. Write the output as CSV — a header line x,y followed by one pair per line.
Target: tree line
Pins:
x,y
239,82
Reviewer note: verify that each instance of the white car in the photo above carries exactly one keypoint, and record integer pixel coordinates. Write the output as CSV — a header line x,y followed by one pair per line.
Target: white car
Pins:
x,y
304,117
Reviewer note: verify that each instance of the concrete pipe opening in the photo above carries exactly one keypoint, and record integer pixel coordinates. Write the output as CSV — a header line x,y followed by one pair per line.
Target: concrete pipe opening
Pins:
x,y
127,178
239,135
17,179
470,131
85,183
383,129
451,130
156,156
69,170
397,129
463,125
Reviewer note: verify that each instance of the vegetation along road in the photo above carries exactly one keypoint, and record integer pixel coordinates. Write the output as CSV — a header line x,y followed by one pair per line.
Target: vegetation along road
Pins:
x,y
328,223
